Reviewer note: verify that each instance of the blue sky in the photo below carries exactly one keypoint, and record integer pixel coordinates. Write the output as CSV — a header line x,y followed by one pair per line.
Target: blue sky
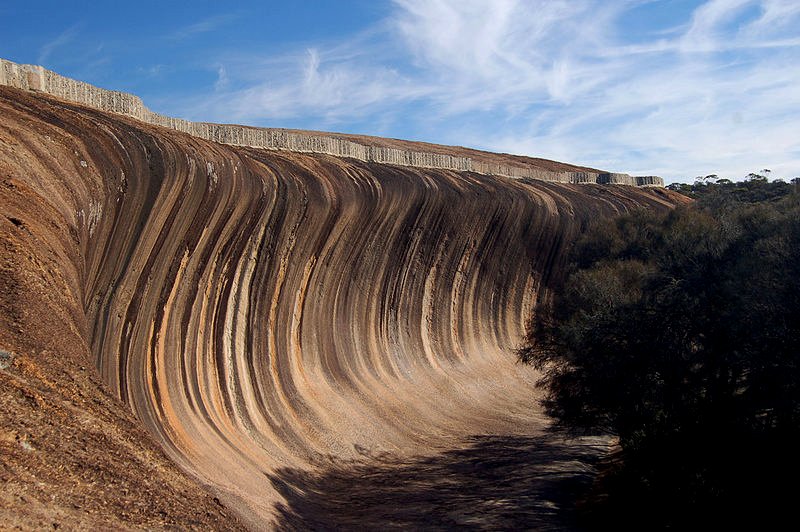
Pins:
x,y
674,88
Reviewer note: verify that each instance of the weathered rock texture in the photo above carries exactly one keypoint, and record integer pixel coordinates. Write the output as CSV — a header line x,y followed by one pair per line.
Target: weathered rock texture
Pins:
x,y
260,313
37,78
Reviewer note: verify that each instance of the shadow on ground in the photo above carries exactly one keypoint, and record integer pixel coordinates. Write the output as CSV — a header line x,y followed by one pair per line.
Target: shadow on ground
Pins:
x,y
492,482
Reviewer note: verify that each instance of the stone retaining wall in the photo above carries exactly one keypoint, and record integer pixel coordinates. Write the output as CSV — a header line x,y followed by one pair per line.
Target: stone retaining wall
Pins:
x,y
37,78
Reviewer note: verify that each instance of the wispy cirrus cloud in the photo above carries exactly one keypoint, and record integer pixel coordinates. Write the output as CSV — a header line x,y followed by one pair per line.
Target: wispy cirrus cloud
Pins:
x,y
62,39
319,82
716,92
203,26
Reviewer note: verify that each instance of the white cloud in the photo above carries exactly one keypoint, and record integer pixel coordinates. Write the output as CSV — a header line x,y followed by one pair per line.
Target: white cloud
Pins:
x,y
776,15
708,24
222,79
202,26
319,84
559,79
64,38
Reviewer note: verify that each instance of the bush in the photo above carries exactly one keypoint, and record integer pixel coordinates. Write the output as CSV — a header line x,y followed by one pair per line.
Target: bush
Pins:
x,y
680,334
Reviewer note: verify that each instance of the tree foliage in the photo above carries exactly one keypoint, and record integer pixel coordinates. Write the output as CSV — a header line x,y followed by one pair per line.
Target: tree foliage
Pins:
x,y
680,334
756,187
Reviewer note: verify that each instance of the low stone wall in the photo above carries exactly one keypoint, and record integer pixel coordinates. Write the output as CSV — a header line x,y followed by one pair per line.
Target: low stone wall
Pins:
x,y
37,78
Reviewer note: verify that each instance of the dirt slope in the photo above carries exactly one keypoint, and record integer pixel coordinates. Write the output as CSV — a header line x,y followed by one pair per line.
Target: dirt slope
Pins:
x,y
184,323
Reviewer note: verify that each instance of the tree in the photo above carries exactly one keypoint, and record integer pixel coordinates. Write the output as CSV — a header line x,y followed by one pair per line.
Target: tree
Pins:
x,y
680,334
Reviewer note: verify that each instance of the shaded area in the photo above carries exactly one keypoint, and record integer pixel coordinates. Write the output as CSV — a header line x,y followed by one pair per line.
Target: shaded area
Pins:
x,y
493,482
680,333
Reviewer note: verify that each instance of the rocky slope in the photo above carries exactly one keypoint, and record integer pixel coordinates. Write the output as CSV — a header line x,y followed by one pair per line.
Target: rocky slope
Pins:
x,y
190,329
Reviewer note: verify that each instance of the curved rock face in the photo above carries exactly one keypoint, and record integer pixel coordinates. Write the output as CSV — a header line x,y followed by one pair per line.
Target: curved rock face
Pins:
x,y
259,310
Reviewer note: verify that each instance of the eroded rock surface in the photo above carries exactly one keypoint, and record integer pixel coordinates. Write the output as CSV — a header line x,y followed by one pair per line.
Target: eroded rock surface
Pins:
x,y
190,321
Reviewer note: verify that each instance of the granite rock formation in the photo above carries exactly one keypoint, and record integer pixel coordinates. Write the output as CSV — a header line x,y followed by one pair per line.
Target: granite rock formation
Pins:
x,y
181,320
